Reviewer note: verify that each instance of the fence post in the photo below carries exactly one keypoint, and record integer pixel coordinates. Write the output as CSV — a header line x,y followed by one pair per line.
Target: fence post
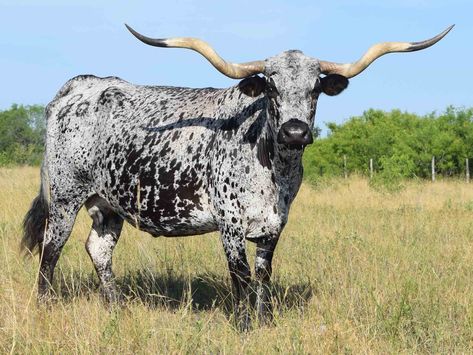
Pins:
x,y
467,170
371,168
345,166
433,168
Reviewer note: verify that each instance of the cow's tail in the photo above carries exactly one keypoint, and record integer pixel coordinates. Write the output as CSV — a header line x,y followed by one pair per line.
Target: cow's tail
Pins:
x,y
36,218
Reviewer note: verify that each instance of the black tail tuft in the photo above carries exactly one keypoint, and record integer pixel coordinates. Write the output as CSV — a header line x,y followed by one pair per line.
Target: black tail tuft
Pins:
x,y
34,224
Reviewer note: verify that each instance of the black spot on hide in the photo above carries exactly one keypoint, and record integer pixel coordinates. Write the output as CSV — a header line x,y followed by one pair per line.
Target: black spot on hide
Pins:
x,y
265,151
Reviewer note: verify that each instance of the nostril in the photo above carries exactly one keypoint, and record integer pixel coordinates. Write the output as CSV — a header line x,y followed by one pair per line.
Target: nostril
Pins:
x,y
287,129
295,132
287,133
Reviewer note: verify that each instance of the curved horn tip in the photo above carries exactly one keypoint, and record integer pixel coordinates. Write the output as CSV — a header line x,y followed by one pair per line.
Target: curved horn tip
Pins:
x,y
444,32
157,42
128,27
416,46
448,29
133,32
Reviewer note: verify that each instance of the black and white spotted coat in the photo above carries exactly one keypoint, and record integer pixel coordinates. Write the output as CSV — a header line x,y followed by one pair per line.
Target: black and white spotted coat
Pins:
x,y
175,162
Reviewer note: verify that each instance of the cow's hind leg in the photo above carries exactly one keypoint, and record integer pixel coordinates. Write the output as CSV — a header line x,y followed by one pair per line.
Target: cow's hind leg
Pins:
x,y
61,216
106,229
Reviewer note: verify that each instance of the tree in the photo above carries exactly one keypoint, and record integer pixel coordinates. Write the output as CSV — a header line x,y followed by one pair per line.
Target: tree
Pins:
x,y
22,130
401,144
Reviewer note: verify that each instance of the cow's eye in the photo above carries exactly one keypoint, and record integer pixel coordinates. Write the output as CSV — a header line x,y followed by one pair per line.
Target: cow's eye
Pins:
x,y
271,89
272,92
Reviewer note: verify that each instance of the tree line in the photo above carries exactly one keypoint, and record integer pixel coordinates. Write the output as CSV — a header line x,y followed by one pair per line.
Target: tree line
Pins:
x,y
22,130
400,144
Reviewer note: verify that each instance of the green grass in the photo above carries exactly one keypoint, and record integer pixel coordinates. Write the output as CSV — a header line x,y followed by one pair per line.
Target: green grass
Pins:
x,y
356,271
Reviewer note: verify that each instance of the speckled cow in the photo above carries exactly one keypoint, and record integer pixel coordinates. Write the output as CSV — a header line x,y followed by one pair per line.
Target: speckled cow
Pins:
x,y
178,161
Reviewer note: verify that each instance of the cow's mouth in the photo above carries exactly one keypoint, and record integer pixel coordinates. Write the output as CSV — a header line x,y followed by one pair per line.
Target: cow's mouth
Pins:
x,y
296,146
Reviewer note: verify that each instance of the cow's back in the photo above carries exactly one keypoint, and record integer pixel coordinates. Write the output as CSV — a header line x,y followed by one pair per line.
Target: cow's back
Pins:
x,y
142,148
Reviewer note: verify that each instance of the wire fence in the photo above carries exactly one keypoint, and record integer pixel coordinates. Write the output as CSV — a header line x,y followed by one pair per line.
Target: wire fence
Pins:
x,y
433,170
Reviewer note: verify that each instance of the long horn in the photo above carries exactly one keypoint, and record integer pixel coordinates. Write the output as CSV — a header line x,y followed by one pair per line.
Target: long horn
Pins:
x,y
350,70
232,70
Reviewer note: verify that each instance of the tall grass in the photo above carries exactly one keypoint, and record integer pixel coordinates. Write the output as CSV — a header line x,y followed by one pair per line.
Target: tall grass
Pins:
x,y
356,271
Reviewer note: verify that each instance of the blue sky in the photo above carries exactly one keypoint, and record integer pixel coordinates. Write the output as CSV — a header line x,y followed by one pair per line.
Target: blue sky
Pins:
x,y
44,43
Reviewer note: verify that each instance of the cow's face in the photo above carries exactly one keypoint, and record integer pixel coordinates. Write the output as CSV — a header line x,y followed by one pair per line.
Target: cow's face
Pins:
x,y
292,83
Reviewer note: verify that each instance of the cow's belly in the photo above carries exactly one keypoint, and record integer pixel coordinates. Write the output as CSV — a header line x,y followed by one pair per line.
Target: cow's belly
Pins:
x,y
162,218
161,204
174,226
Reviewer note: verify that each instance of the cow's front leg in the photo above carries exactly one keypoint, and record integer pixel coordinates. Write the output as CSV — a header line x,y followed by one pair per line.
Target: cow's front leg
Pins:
x,y
234,245
264,256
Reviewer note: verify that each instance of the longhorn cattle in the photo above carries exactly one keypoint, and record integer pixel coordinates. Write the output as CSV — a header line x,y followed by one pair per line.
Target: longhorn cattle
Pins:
x,y
178,161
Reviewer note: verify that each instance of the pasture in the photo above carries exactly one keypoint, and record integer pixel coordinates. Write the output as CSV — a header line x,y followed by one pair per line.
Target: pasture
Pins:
x,y
355,271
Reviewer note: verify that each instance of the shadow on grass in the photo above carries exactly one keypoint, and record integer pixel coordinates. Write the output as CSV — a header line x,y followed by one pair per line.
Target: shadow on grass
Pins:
x,y
173,291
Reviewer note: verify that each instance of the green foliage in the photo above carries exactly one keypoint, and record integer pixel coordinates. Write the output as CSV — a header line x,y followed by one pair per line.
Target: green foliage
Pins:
x,y
22,130
401,146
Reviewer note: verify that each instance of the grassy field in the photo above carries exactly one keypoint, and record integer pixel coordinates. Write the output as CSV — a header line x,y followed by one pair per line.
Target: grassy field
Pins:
x,y
356,271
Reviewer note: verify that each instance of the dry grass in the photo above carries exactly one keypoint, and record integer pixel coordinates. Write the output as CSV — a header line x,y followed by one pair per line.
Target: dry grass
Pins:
x,y
356,271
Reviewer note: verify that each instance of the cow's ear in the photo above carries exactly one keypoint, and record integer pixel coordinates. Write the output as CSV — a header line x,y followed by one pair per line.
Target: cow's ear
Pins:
x,y
252,86
333,84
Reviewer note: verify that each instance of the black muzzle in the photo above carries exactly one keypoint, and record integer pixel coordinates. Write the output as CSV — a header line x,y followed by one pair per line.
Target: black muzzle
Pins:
x,y
295,132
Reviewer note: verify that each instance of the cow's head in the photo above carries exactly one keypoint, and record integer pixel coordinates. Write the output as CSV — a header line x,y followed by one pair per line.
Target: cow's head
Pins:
x,y
291,81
